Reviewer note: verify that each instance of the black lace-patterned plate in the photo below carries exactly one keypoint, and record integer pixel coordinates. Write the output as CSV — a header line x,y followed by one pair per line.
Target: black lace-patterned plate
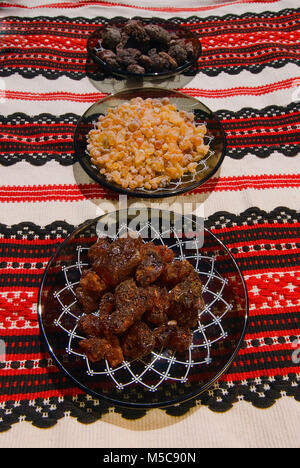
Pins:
x,y
206,167
94,44
163,378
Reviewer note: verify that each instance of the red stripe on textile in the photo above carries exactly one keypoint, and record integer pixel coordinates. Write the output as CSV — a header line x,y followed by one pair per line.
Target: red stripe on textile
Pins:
x,y
268,118
46,67
213,94
24,140
37,124
242,90
268,253
262,242
251,145
26,372
110,4
255,226
282,309
48,151
73,391
48,64
30,332
238,376
254,182
38,47
21,260
259,131
33,242
266,348
55,96
242,61
248,271
226,43
32,272
257,135
73,192
225,37
284,321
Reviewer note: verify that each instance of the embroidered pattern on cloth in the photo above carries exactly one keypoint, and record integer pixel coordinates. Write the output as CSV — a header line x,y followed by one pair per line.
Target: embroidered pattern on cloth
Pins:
x,y
257,54
254,131
67,53
263,371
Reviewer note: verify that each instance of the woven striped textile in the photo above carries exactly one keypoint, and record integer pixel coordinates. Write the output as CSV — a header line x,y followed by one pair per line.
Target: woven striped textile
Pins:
x,y
249,75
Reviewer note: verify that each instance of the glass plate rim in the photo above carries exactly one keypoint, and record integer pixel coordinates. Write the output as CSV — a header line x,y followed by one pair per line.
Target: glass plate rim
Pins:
x,y
125,73
133,193
113,401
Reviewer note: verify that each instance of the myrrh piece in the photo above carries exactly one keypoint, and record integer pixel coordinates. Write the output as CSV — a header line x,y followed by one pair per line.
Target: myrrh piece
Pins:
x,y
154,259
119,260
138,341
98,249
176,338
130,304
90,289
187,301
97,349
157,306
136,298
176,272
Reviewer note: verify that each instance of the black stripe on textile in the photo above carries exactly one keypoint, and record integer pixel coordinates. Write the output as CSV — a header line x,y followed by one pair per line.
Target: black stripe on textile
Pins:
x,y
249,19
41,138
253,216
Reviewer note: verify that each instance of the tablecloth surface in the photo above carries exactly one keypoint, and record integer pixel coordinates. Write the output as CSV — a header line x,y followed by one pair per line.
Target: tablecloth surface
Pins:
x,y
248,74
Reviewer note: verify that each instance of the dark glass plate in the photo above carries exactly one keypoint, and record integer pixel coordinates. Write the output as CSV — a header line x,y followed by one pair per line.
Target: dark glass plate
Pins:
x,y
206,167
94,43
163,378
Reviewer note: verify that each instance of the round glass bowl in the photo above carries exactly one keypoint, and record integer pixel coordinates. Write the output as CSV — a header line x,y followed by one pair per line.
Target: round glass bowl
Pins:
x,y
206,167
94,44
162,378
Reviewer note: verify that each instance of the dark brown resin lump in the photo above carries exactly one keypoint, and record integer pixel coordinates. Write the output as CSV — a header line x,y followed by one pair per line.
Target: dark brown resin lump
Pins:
x,y
136,298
